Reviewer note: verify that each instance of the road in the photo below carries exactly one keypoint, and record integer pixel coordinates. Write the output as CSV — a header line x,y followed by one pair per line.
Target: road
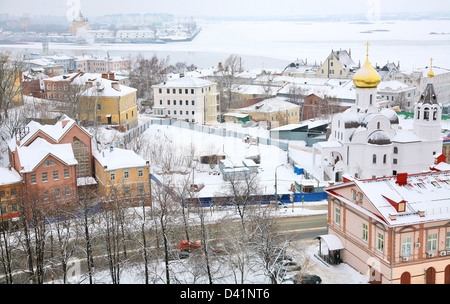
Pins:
x,y
303,227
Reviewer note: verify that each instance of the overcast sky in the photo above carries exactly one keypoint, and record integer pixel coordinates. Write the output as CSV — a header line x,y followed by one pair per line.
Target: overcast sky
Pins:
x,y
221,7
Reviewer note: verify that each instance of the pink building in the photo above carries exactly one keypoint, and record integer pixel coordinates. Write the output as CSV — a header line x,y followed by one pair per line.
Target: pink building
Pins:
x,y
392,229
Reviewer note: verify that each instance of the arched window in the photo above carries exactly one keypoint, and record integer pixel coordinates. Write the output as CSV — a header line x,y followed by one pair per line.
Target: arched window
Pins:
x,y
81,153
374,159
426,114
378,125
384,158
434,113
395,150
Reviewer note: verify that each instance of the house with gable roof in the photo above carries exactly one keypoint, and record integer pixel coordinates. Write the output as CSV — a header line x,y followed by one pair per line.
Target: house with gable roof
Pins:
x,y
393,229
52,160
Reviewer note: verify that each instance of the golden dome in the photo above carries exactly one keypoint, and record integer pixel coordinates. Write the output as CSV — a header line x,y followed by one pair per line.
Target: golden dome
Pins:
x,y
431,73
366,77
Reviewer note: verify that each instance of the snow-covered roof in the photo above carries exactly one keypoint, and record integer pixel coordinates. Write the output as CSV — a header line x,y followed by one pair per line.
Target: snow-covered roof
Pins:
x,y
116,158
9,176
238,115
184,82
30,156
103,87
393,85
333,242
55,131
271,105
310,124
425,192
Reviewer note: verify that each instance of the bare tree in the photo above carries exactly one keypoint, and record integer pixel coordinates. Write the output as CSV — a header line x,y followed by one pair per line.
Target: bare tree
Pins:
x,y
227,78
147,72
11,87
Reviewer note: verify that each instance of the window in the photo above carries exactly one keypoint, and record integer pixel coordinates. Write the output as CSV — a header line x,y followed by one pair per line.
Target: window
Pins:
x,y
395,150
168,91
384,158
81,153
33,178
49,163
365,232
67,191
337,216
168,102
126,190
44,177
112,175
354,196
186,91
432,242
140,172
13,192
175,112
394,161
406,246
360,196
187,102
99,107
57,193
141,188
447,241
174,102
160,91
174,91
380,241
55,175
192,91
160,102
126,174
180,91
193,102
374,159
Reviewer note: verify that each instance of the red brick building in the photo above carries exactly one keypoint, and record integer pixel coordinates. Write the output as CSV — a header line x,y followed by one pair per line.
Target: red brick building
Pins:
x,y
315,106
51,159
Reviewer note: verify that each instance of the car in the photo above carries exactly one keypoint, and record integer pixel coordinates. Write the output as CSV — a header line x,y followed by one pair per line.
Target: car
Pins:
x,y
287,266
309,279
305,279
188,244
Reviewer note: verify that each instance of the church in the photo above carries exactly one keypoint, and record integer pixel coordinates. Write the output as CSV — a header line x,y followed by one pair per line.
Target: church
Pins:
x,y
367,141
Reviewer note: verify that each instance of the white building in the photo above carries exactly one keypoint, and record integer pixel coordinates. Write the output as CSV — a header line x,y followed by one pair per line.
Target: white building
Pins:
x,y
366,141
188,98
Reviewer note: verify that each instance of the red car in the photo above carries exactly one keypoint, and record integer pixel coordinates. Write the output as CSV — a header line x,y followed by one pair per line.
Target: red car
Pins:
x,y
185,244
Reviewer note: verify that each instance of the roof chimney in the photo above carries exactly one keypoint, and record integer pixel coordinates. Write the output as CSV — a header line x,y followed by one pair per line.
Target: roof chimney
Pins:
x,y
402,179
115,86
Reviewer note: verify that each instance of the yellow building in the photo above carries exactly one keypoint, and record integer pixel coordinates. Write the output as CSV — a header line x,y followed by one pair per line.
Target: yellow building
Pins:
x,y
109,102
339,64
11,188
79,22
122,173
276,111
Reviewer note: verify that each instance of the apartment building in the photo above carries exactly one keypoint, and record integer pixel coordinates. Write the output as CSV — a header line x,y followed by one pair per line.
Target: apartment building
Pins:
x,y
188,98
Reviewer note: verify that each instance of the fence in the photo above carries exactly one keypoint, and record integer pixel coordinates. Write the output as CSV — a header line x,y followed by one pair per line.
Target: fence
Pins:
x,y
135,132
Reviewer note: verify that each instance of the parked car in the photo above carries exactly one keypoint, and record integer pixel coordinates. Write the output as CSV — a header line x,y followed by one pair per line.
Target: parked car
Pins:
x,y
287,266
310,279
188,244
305,279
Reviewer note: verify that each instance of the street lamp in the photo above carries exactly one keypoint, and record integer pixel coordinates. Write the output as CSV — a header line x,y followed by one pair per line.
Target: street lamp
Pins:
x,y
276,179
